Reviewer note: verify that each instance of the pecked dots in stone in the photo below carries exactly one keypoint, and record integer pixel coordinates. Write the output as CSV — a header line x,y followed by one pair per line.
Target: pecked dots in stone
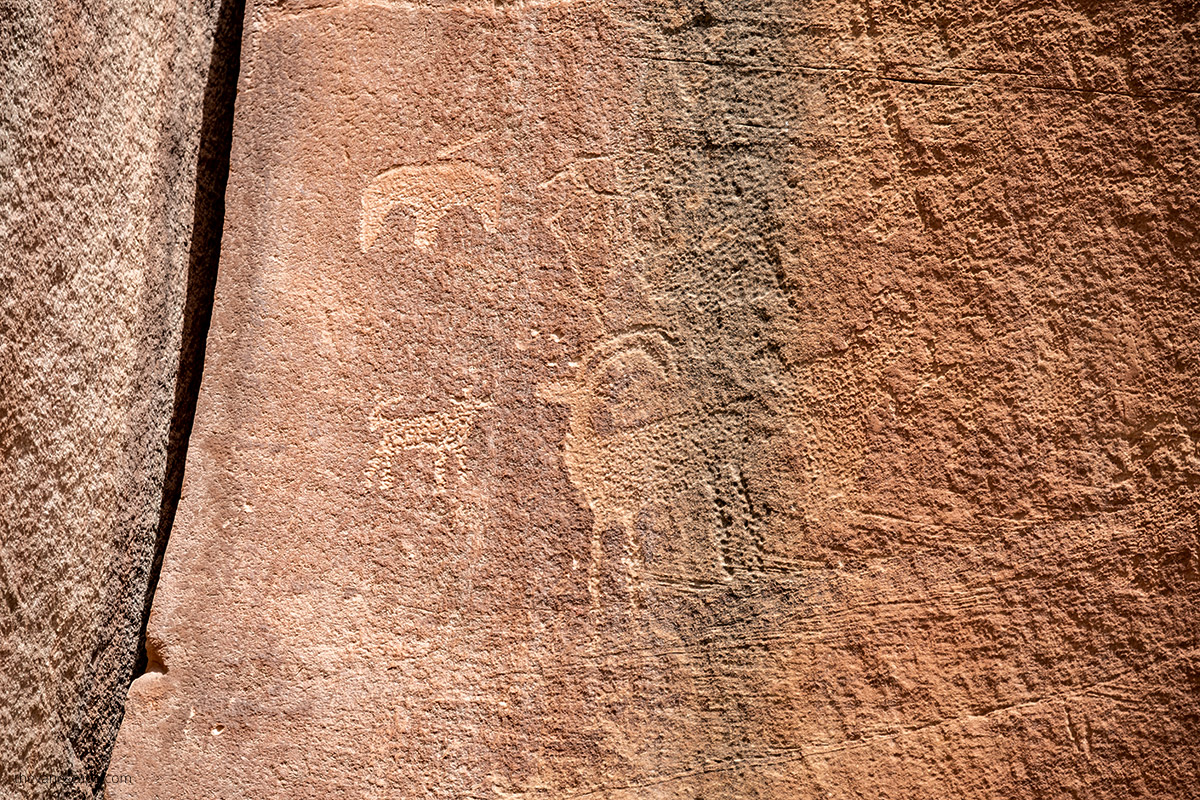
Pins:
x,y
442,434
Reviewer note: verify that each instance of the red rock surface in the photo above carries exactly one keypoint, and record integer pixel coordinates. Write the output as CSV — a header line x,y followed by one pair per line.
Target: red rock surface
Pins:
x,y
628,400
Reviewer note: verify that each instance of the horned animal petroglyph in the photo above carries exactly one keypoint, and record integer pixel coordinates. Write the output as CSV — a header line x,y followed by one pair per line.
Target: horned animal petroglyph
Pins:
x,y
430,190
443,433
627,440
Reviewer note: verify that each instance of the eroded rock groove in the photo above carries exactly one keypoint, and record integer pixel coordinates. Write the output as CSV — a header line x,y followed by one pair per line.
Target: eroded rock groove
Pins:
x,y
212,174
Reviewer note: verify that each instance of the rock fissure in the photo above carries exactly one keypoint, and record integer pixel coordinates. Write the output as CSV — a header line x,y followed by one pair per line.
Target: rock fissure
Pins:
x,y
212,175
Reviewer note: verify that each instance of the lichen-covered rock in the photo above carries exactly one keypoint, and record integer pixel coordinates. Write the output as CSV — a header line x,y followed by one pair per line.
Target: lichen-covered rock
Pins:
x,y
100,129
704,400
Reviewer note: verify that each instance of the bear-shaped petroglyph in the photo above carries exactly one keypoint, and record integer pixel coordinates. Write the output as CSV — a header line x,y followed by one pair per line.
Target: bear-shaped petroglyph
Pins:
x,y
430,191
444,434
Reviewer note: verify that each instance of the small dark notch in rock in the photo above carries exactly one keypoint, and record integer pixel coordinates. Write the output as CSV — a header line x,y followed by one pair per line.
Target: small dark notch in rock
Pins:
x,y
155,663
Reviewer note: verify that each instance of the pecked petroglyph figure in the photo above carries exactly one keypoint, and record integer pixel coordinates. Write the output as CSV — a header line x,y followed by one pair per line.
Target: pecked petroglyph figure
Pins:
x,y
628,449
430,190
443,433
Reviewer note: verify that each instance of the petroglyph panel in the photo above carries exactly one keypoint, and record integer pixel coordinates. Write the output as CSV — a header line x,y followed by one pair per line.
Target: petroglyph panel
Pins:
x,y
822,418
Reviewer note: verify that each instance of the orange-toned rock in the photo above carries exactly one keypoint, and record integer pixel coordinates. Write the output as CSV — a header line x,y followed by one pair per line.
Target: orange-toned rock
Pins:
x,y
728,400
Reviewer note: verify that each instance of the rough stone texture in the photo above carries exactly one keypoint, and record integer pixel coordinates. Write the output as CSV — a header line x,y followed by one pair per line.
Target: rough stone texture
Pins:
x,y
738,399
100,118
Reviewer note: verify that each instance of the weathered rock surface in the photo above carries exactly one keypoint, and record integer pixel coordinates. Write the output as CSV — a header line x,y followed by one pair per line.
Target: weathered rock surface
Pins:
x,y
101,114
726,399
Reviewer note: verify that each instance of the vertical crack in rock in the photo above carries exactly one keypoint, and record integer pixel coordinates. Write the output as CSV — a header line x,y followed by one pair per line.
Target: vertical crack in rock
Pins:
x,y
212,173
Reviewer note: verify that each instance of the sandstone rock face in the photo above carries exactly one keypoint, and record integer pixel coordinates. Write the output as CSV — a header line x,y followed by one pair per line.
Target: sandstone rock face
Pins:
x,y
101,116
703,400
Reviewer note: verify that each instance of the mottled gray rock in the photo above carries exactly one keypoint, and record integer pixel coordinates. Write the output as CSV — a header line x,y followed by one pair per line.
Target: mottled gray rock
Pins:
x,y
102,113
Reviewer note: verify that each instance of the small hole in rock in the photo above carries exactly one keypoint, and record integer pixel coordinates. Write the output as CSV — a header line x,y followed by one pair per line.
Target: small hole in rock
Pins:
x,y
154,658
